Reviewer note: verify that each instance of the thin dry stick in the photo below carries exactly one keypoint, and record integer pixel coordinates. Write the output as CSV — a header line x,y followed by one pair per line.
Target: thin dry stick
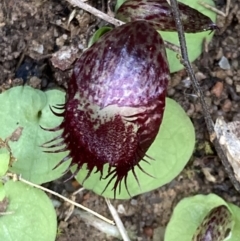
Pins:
x,y
216,10
19,178
6,213
198,90
118,221
114,21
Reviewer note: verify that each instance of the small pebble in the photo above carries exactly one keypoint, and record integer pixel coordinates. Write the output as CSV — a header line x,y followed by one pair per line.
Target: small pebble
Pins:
x,y
238,88
224,63
121,209
191,110
34,82
148,231
229,81
171,92
235,64
200,76
226,107
221,74
208,101
198,107
217,89
229,72
186,82
134,202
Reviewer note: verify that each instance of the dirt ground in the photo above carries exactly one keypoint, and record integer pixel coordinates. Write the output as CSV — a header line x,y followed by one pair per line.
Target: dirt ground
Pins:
x,y
32,30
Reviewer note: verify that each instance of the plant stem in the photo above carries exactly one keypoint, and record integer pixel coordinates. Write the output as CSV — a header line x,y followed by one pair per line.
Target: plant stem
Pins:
x,y
198,90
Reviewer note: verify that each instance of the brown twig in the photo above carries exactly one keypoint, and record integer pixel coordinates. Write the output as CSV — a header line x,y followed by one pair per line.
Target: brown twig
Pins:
x,y
197,89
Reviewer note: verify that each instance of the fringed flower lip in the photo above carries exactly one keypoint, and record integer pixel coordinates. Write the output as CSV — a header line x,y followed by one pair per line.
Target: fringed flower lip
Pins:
x,y
114,103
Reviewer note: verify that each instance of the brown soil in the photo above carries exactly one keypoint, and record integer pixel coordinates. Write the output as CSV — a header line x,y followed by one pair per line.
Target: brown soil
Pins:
x,y
32,30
